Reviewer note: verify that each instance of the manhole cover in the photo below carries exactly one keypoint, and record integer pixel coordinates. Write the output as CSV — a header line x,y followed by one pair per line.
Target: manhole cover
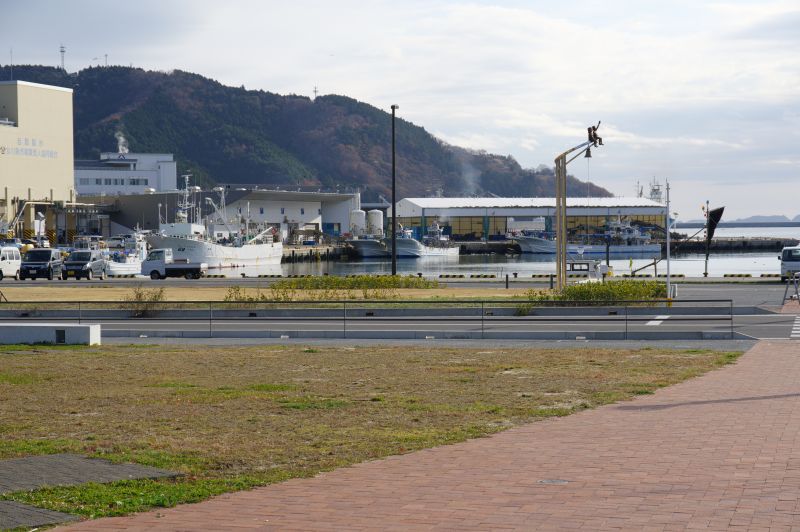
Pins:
x,y
553,481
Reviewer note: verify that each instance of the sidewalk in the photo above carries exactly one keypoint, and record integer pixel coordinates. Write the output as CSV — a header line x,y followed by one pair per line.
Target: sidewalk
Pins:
x,y
717,452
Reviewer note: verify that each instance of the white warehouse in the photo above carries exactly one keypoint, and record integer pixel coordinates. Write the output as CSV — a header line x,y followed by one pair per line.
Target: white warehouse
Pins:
x,y
466,219
293,213
126,173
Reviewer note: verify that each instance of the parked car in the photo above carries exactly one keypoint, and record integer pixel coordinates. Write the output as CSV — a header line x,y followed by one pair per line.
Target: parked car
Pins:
x,y
790,262
10,262
41,262
84,263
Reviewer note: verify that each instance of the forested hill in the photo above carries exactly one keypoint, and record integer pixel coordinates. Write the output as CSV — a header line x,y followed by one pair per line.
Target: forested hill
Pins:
x,y
231,135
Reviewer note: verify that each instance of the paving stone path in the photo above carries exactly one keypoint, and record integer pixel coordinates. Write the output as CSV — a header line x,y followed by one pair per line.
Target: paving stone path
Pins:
x,y
22,474
718,452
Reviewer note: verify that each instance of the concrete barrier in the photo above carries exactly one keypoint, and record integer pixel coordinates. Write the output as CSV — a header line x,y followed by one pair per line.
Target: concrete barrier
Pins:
x,y
49,333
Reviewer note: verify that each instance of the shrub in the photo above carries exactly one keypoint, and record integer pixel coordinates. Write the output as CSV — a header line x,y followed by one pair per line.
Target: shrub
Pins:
x,y
599,293
143,302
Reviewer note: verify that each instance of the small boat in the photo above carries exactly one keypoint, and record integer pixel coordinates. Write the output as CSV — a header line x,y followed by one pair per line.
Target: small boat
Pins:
x,y
128,260
434,244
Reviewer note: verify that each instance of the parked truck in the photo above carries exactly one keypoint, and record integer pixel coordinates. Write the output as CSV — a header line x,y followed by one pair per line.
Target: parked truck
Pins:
x,y
160,264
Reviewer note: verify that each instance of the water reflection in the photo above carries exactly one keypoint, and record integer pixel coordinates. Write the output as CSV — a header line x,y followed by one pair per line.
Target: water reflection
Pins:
x,y
690,265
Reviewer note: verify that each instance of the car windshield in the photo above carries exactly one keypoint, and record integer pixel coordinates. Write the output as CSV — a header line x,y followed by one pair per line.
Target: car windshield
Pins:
x,y
82,256
791,254
38,255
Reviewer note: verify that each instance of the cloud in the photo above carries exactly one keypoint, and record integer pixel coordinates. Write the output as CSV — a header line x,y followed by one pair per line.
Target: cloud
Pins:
x,y
699,91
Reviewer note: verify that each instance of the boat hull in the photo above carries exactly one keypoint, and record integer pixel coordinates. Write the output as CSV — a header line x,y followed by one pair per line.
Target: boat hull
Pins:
x,y
532,244
368,248
218,256
413,248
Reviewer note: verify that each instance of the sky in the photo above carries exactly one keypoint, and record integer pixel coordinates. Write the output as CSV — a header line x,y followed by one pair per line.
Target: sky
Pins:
x,y
703,94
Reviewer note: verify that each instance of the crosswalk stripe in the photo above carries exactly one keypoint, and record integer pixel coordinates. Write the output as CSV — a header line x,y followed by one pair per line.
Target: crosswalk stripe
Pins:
x,y
657,321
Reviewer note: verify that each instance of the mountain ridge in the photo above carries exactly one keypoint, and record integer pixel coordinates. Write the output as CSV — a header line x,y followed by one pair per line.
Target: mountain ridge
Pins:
x,y
224,134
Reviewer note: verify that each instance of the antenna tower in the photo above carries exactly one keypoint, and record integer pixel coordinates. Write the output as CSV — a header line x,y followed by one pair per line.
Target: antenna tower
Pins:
x,y
315,92
63,50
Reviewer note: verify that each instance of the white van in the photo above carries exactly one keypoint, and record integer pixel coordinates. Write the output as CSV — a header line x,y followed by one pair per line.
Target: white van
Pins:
x,y
10,261
790,262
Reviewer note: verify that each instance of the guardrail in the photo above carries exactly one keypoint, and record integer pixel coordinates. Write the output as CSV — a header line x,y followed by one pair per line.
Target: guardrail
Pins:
x,y
519,316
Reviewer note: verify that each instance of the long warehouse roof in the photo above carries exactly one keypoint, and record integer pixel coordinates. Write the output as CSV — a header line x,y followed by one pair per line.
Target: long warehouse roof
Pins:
x,y
488,203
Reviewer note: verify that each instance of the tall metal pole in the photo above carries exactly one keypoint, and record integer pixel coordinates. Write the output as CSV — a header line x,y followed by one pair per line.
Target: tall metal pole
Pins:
x,y
394,198
705,272
669,228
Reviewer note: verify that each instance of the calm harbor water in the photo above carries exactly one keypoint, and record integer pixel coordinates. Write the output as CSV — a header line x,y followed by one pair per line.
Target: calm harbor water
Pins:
x,y
525,265
691,265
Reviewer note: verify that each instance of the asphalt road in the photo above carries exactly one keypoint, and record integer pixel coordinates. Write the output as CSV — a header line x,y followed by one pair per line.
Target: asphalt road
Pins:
x,y
569,326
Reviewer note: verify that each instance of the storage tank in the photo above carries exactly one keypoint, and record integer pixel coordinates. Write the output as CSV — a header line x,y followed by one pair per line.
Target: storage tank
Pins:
x,y
375,222
358,222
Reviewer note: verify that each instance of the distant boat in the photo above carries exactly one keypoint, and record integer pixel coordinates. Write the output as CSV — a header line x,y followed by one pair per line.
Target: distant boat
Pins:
x,y
128,260
434,244
622,238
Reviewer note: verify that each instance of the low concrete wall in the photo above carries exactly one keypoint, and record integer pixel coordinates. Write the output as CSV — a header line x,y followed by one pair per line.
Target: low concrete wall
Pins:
x,y
49,333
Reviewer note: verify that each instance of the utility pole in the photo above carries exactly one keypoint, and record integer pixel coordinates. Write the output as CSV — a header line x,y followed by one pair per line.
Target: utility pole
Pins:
x,y
669,229
394,196
708,242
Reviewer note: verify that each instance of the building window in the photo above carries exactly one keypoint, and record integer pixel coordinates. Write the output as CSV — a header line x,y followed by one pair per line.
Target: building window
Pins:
x,y
319,211
261,210
84,181
302,210
283,211
98,181
108,181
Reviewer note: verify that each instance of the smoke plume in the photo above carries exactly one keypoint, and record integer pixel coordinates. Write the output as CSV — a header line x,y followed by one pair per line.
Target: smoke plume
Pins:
x,y
122,142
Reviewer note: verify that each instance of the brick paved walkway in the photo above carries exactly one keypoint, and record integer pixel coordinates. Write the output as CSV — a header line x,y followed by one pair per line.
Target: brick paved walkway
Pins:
x,y
721,451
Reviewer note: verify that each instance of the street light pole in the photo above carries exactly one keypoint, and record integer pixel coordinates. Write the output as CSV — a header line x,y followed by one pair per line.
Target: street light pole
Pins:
x,y
669,229
394,197
561,163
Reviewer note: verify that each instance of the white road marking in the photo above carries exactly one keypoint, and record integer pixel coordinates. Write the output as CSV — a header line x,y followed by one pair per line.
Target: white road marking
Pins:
x,y
658,321
796,328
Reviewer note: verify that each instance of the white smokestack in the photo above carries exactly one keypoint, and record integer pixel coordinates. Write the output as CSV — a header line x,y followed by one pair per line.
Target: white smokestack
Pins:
x,y
122,142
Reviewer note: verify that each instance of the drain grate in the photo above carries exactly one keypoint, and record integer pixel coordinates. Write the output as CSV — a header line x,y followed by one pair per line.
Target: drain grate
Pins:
x,y
553,481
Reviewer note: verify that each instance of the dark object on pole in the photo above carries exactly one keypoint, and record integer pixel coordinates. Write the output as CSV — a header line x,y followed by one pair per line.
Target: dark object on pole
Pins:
x,y
712,219
394,200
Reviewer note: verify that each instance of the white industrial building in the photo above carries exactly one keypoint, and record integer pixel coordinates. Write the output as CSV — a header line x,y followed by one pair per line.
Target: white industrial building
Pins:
x,y
492,218
126,173
294,214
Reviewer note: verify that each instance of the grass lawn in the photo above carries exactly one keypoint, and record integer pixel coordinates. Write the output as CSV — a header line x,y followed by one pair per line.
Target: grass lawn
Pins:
x,y
236,417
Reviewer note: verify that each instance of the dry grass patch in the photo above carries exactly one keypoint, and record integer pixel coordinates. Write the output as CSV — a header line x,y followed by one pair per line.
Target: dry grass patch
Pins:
x,y
233,417
195,291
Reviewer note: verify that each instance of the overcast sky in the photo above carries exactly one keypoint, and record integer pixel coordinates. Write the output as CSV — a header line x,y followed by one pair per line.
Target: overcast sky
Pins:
x,y
705,94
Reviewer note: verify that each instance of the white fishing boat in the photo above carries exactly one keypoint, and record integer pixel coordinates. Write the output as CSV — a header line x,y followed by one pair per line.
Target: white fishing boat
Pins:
x,y
620,237
128,260
434,244
190,242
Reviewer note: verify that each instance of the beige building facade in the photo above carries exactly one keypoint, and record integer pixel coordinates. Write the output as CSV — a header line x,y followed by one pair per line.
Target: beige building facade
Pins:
x,y
36,157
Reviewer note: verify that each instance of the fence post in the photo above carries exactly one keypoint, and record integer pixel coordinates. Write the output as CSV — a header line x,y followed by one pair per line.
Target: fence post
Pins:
x,y
731,310
79,312
551,281
483,313
626,321
344,319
